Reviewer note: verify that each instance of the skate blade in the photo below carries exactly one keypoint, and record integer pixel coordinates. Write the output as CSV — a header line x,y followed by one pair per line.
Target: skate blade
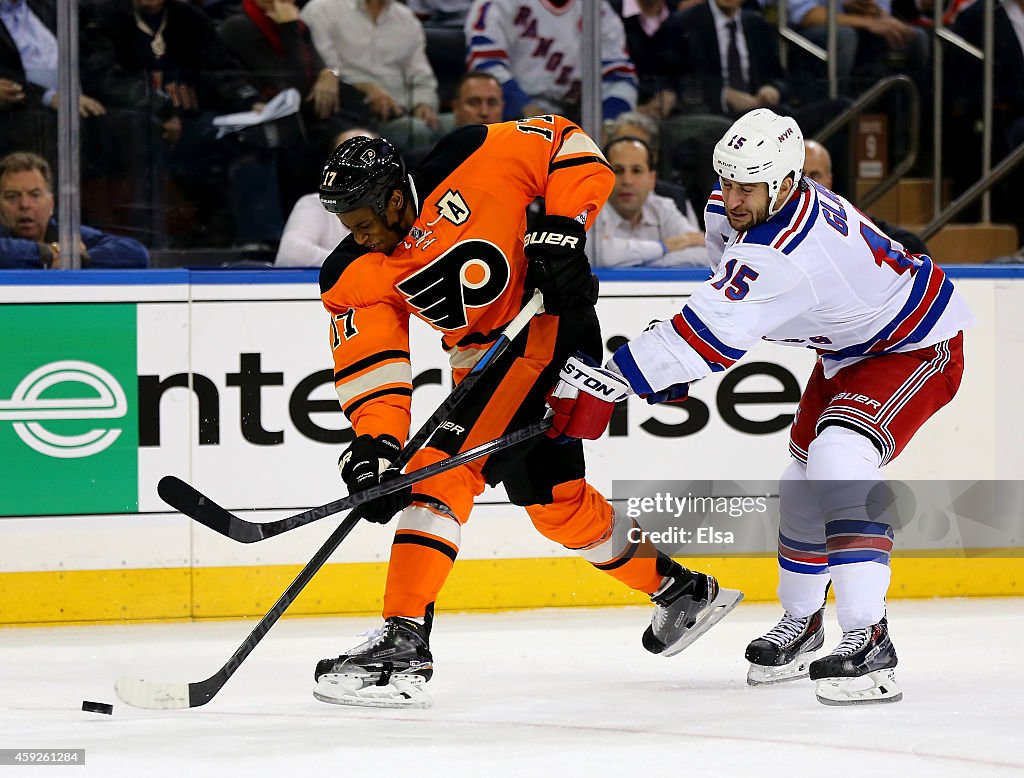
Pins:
x,y
762,675
405,692
852,691
726,600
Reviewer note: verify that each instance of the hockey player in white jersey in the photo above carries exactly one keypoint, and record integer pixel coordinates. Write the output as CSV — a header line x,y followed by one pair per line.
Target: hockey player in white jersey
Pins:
x,y
796,264
533,48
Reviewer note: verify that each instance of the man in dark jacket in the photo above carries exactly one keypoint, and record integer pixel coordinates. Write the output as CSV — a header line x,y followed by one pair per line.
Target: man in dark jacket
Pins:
x,y
28,88
162,64
28,232
714,38
276,50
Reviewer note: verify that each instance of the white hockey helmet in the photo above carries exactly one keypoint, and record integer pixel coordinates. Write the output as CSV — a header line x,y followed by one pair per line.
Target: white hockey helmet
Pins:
x,y
761,147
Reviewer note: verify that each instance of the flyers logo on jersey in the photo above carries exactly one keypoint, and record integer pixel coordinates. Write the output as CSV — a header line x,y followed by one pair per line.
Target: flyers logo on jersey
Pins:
x,y
471,274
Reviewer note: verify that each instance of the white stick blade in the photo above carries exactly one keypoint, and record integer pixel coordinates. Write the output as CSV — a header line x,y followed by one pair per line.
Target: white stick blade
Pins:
x,y
152,695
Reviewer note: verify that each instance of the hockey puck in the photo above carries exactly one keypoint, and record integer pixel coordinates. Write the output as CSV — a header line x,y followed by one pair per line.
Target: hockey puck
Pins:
x,y
97,707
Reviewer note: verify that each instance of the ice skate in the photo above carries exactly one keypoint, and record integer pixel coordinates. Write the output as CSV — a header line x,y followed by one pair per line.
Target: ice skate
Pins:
x,y
389,670
688,604
785,652
859,670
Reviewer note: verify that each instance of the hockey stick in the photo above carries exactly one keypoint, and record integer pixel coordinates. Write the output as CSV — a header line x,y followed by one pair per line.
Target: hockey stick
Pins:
x,y
194,504
156,695
164,696
211,515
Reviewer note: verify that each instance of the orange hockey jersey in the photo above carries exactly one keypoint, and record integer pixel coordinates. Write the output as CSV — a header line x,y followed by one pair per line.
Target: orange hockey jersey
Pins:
x,y
461,266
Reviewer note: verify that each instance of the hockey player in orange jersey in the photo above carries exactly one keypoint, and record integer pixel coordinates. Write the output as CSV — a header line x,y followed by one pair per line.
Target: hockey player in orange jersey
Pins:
x,y
446,244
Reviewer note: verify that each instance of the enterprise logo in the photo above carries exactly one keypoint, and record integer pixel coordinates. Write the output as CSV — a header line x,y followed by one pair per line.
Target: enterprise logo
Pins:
x,y
29,411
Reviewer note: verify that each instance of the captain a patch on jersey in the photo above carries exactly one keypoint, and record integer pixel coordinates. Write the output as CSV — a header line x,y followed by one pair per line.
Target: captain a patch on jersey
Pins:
x,y
471,274
452,206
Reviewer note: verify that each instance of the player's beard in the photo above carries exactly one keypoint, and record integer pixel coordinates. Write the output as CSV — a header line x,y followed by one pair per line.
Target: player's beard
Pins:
x,y
753,218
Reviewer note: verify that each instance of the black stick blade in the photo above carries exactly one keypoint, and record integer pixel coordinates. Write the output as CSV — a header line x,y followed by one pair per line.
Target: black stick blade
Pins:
x,y
197,506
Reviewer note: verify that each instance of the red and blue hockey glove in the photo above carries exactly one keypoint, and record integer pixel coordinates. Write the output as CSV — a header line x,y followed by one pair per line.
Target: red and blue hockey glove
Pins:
x,y
584,399
365,464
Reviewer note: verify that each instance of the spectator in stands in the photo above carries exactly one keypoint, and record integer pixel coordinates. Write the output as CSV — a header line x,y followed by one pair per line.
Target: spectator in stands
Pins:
x,y
162,63
312,233
276,48
640,228
869,39
28,80
637,125
440,13
726,55
379,46
28,232
478,99
818,167
533,48
725,62
641,20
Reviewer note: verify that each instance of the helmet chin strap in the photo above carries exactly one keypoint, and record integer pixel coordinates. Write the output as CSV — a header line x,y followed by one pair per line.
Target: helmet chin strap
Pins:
x,y
775,206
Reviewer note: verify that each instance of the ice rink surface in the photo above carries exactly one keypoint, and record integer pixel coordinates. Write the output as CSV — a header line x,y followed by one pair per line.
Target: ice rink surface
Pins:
x,y
552,692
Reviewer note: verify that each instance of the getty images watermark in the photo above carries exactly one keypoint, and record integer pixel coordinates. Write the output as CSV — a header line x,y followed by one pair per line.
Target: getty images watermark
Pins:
x,y
684,509
929,518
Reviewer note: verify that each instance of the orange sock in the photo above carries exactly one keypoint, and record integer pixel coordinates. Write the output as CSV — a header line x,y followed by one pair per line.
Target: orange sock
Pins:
x,y
582,520
419,566
637,567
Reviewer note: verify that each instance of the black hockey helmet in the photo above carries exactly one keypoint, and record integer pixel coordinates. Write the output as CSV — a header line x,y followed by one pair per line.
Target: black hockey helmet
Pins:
x,y
361,173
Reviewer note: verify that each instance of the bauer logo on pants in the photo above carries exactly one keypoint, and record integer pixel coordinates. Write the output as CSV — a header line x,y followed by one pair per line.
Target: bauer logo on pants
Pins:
x,y
68,409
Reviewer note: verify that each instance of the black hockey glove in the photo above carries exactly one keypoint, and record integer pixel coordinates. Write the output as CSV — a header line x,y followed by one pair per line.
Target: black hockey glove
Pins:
x,y
557,265
365,464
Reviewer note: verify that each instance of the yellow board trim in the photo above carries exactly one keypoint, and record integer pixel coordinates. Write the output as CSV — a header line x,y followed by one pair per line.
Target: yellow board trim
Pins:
x,y
103,596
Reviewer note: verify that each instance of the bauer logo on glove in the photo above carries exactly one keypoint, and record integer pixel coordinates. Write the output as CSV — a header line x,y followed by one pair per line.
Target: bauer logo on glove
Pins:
x,y
584,399
551,238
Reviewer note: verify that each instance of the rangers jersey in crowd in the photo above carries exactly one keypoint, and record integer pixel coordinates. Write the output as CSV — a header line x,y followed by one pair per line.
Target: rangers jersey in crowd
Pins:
x,y
533,48
461,267
819,274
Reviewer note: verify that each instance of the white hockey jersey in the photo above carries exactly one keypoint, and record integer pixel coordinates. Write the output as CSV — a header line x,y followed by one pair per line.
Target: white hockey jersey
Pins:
x,y
533,48
819,274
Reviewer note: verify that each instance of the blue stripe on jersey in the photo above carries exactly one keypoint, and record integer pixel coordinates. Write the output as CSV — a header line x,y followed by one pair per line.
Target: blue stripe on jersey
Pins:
x,y
482,40
917,292
613,106
929,321
705,334
625,362
489,63
922,280
796,241
719,209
